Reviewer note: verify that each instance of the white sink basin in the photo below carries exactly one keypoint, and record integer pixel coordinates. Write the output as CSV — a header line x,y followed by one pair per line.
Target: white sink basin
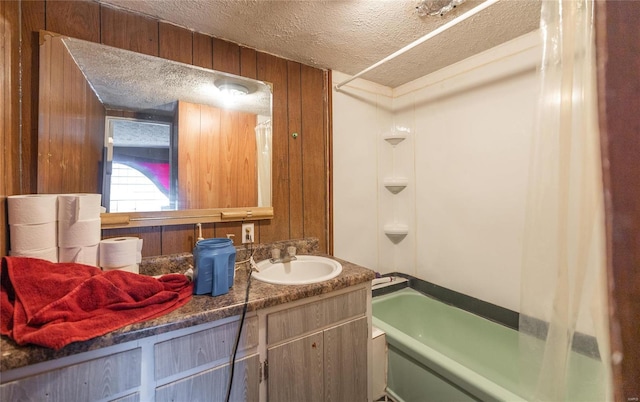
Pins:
x,y
302,271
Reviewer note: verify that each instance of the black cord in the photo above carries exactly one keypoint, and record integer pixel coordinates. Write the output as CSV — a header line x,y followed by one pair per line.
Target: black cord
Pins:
x,y
235,346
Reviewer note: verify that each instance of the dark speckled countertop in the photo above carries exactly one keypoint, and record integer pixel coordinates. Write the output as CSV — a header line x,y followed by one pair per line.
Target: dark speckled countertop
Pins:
x,y
201,309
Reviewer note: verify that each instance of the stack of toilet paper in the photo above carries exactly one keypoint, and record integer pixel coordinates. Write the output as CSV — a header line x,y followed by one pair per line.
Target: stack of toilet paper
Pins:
x,y
33,226
123,253
79,228
56,227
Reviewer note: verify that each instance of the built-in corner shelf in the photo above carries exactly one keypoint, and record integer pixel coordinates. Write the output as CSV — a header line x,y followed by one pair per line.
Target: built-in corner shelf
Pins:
x,y
395,138
396,232
396,184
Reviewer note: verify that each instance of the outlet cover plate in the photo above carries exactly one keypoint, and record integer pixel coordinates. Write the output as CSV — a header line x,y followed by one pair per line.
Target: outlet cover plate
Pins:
x,y
248,233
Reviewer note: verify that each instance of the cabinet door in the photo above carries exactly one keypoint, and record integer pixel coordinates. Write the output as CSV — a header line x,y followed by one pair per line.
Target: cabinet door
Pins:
x,y
190,351
91,380
345,362
211,385
296,370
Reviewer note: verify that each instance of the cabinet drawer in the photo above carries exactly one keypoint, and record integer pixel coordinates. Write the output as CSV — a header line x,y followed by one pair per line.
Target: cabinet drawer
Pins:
x,y
203,347
211,385
87,381
315,315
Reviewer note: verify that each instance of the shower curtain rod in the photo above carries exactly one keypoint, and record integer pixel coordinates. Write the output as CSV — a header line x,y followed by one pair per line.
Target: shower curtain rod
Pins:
x,y
425,38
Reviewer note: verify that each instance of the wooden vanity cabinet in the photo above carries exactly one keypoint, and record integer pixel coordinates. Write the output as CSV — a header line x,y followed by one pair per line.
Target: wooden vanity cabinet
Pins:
x,y
314,349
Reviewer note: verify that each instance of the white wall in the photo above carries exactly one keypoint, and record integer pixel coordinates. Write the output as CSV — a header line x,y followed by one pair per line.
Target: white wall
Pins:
x,y
360,114
466,157
473,128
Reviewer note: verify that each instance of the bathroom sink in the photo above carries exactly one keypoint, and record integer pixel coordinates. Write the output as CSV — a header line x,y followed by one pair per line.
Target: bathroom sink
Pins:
x,y
304,270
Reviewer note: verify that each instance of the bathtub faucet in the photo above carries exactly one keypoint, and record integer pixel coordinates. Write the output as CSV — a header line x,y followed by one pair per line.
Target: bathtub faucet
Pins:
x,y
290,256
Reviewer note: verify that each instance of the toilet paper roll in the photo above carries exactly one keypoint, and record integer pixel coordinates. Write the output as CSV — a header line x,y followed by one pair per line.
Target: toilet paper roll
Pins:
x,y
33,237
119,252
32,209
87,255
79,234
78,207
139,252
49,254
135,268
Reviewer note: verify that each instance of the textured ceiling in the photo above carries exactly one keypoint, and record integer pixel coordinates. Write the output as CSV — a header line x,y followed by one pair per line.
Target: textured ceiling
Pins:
x,y
348,36
125,80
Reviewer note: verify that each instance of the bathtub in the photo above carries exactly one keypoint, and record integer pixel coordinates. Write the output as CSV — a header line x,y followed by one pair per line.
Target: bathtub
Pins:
x,y
437,352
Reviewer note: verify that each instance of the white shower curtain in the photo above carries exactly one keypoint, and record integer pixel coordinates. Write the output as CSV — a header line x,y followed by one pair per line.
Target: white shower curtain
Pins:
x,y
263,142
563,317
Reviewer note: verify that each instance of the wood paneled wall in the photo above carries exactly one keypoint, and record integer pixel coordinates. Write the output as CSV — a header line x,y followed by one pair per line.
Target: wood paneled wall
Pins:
x,y
217,164
300,168
618,61
71,114
8,112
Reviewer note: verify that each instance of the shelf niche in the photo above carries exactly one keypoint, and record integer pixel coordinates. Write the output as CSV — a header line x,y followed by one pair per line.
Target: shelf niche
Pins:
x,y
396,184
396,232
395,138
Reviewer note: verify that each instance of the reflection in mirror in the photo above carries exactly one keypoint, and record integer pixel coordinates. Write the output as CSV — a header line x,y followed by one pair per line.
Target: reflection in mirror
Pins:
x,y
137,168
149,133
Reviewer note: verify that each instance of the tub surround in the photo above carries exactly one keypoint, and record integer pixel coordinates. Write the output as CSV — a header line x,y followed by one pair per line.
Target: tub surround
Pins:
x,y
201,309
504,316
582,343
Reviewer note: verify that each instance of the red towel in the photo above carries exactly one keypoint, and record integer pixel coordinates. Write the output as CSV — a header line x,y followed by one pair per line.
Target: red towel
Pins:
x,y
54,304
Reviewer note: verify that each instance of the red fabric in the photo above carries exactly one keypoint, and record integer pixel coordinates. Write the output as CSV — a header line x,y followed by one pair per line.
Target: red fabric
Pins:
x,y
54,304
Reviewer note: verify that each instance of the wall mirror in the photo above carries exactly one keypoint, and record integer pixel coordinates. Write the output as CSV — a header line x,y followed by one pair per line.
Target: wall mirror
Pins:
x,y
164,142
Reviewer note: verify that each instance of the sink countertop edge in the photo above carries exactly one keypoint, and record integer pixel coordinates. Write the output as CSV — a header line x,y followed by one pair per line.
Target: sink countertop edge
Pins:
x,y
199,310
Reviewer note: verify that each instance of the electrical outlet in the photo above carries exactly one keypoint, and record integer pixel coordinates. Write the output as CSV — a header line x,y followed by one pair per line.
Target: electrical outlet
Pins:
x,y
248,233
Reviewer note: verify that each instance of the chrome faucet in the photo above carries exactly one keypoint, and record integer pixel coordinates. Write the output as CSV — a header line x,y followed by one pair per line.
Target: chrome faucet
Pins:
x,y
290,256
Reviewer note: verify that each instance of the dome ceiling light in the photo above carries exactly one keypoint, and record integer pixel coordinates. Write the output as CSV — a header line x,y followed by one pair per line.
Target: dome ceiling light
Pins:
x,y
436,7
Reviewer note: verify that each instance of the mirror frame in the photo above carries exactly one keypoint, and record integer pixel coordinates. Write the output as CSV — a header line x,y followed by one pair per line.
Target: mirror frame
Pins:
x,y
117,220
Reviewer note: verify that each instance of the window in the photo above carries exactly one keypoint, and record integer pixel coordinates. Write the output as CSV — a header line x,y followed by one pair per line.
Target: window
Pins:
x,y
131,190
